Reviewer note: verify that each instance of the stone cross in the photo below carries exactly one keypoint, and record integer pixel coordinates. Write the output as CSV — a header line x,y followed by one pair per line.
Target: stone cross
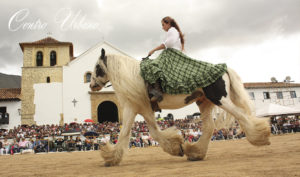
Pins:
x,y
74,102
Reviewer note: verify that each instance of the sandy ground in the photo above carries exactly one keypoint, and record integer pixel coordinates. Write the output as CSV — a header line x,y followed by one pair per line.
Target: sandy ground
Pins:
x,y
225,158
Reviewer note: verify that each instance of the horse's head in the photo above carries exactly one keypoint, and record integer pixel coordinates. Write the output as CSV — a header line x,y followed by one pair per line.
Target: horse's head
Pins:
x,y
99,76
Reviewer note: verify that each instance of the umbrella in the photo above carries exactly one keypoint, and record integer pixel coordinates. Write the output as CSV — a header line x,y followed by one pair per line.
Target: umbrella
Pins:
x,y
88,120
91,134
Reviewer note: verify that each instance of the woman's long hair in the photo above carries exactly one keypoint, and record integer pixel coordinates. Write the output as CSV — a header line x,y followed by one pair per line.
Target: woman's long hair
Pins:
x,y
172,22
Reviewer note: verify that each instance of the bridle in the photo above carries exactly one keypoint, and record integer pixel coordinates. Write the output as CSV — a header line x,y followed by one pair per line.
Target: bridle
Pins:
x,y
104,83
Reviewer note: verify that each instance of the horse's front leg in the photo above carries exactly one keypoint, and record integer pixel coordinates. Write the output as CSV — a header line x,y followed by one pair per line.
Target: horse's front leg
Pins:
x,y
170,139
112,154
198,150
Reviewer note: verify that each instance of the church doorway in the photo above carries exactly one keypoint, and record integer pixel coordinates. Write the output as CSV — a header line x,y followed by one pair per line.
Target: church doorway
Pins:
x,y
107,111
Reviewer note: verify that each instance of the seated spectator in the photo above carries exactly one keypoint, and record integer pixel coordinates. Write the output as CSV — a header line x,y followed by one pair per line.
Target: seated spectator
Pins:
x,y
141,141
23,144
230,134
52,145
39,146
59,144
132,143
6,146
78,143
96,144
71,144
30,144
87,144
1,148
15,147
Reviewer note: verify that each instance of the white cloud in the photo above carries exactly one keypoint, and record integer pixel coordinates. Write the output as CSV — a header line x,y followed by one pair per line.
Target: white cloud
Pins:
x,y
245,34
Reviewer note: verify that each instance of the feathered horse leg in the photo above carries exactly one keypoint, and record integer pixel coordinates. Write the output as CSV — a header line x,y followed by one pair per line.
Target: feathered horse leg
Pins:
x,y
112,154
257,130
198,150
238,104
170,139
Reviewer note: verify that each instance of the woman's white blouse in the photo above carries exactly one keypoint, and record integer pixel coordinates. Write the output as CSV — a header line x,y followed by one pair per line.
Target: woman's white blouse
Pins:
x,y
173,39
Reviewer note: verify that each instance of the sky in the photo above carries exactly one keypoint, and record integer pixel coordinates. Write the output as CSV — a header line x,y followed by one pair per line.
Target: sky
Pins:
x,y
259,39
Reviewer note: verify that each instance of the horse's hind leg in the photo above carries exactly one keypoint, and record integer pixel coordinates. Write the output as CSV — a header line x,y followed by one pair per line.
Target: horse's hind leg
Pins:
x,y
236,103
198,150
112,155
170,139
257,130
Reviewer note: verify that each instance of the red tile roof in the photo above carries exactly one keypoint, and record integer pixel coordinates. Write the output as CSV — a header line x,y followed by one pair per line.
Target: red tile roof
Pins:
x,y
10,94
48,41
270,85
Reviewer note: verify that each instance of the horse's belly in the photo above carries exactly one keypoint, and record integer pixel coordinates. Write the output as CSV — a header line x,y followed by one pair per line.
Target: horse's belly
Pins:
x,y
173,101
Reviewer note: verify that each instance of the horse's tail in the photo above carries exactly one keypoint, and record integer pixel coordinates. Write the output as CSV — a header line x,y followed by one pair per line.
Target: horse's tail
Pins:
x,y
238,94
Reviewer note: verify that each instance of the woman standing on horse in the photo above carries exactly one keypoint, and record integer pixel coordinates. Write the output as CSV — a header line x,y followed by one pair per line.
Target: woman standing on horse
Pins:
x,y
173,40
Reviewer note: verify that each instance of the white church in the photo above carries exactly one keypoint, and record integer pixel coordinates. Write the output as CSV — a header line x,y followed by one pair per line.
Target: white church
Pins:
x,y
55,88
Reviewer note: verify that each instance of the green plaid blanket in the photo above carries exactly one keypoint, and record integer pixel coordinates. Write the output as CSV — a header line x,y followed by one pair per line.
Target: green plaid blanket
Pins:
x,y
180,74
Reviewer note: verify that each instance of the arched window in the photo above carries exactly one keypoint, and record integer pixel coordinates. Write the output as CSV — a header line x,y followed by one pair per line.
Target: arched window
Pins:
x,y
87,77
39,58
48,79
52,58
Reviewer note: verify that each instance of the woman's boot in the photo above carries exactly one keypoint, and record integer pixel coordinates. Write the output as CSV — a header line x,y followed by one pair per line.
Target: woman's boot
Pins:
x,y
157,93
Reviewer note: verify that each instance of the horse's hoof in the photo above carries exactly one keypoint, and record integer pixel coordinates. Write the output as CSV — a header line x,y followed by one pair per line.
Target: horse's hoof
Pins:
x,y
195,158
110,164
106,164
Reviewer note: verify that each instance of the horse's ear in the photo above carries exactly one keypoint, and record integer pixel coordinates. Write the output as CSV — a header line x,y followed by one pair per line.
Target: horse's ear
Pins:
x,y
103,57
102,54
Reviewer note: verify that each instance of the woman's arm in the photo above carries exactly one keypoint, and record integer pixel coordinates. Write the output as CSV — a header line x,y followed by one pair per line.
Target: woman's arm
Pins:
x,y
172,37
161,46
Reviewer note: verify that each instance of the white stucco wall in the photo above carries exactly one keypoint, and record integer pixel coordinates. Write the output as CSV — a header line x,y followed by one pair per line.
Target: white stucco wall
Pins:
x,y
182,112
286,101
74,86
48,103
12,109
177,113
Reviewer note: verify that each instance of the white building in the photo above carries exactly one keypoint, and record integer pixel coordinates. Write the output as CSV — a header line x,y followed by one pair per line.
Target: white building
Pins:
x,y
282,93
10,106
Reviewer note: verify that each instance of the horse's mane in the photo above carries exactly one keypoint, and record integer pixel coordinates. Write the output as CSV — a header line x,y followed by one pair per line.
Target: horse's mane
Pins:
x,y
124,74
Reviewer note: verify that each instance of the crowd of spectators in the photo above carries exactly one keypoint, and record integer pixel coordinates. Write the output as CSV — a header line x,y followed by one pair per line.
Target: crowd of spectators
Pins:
x,y
285,124
48,138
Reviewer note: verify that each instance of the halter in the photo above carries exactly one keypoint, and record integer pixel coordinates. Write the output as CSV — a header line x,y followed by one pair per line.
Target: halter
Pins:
x,y
104,83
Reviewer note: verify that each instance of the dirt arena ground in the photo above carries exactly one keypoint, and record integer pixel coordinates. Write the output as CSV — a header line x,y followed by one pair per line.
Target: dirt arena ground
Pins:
x,y
225,158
